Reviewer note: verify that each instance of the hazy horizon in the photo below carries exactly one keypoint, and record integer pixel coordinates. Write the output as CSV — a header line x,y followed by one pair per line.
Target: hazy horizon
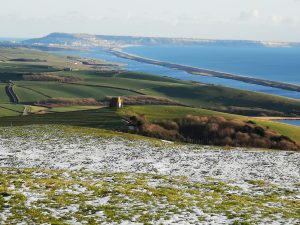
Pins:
x,y
270,20
215,39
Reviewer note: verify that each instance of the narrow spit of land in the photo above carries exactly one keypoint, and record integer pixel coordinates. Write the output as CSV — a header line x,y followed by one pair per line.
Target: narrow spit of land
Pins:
x,y
206,72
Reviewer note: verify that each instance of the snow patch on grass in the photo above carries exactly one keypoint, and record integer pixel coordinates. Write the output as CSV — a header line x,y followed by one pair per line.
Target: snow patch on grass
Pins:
x,y
92,179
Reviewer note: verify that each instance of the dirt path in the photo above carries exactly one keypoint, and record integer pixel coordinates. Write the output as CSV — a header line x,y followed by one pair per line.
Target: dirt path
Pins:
x,y
26,110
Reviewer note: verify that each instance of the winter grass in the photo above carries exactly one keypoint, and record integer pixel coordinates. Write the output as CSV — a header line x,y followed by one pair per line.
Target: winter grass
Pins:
x,y
70,175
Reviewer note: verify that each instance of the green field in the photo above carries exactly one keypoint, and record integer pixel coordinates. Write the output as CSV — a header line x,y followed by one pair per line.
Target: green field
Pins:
x,y
153,113
190,93
98,84
3,96
88,116
14,68
36,109
26,95
10,110
97,118
73,108
29,91
94,83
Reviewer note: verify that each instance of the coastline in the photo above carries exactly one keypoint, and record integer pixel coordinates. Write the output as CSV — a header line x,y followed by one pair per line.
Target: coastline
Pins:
x,y
205,72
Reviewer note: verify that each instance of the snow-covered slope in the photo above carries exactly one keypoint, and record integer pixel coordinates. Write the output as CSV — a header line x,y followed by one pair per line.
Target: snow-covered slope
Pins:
x,y
219,174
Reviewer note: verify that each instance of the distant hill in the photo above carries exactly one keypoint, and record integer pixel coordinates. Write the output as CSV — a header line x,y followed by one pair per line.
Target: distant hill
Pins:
x,y
88,40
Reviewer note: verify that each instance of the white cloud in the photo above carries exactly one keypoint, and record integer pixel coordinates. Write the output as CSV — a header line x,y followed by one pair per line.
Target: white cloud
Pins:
x,y
232,19
255,13
248,15
276,19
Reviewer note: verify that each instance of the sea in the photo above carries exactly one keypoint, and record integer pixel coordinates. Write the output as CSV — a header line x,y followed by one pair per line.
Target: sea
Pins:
x,y
12,39
291,122
278,64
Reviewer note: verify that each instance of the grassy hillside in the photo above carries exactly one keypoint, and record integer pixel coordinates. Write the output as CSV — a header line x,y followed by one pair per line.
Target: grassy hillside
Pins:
x,y
96,198
156,113
153,113
98,118
291,131
193,94
26,95
51,61
10,110
100,81
72,108
218,96
29,91
110,119
66,174
3,96
97,79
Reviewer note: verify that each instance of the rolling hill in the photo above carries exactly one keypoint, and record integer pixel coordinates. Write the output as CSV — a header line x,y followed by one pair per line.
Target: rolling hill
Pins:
x,y
98,80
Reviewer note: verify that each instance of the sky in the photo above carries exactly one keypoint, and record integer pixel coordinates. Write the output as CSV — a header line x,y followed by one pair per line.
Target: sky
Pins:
x,y
267,20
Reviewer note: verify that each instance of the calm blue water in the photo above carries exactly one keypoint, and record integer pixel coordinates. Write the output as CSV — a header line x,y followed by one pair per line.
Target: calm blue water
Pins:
x,y
280,64
292,122
13,39
159,70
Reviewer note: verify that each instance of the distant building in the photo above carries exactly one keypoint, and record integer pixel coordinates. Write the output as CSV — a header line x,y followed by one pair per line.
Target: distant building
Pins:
x,y
116,102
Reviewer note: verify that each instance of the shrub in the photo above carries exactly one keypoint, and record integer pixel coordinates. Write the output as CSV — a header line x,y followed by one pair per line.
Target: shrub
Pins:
x,y
216,131
58,102
168,124
226,132
260,131
242,139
